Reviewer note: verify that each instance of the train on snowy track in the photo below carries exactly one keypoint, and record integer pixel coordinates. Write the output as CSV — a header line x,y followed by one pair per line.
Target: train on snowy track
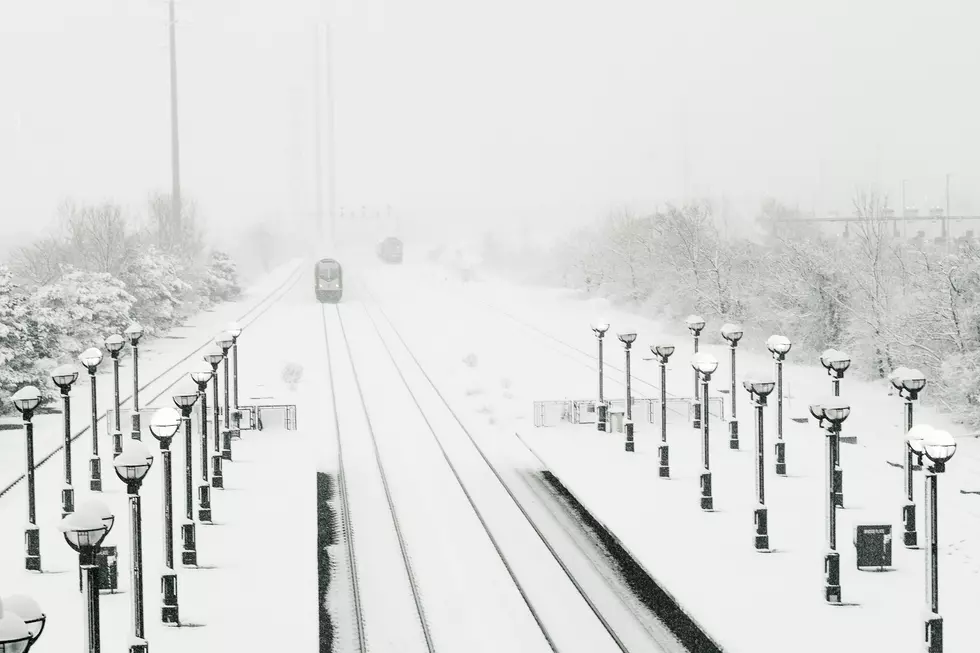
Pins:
x,y
390,250
328,281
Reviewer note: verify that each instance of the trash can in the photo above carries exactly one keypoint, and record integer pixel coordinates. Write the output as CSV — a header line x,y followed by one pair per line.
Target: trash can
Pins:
x,y
873,545
107,560
616,418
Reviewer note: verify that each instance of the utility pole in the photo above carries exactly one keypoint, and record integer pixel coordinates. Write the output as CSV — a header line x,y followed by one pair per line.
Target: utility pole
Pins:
x,y
175,227
318,174
905,223
331,145
946,221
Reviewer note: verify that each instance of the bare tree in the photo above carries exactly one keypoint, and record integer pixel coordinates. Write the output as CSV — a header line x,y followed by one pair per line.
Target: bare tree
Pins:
x,y
41,262
96,236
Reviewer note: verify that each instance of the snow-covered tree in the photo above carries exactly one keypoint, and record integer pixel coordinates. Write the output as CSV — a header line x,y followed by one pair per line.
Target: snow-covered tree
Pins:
x,y
153,279
220,279
83,307
19,360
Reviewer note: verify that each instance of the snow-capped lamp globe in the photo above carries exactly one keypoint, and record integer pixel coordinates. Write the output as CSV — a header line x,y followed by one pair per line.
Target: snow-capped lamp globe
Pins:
x,y
91,358
695,323
704,363
133,333
225,341
15,636
114,344
732,333
779,346
29,612
234,330
835,362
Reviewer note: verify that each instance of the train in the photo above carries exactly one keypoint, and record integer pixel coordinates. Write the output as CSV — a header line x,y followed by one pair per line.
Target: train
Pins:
x,y
328,281
390,250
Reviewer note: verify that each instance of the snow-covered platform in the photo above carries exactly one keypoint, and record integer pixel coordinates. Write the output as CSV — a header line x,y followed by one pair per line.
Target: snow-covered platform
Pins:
x,y
761,602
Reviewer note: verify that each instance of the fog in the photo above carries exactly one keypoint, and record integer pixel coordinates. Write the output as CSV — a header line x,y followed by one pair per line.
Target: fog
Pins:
x,y
515,112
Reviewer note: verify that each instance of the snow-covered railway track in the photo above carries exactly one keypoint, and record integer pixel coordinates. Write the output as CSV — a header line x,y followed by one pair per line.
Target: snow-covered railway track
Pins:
x,y
563,609
387,608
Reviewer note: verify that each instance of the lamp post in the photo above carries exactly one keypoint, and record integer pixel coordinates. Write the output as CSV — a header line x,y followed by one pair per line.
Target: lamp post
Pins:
x,y
235,330
601,408
779,346
830,415
20,614
695,323
91,358
84,532
732,333
225,341
705,364
836,363
758,390
134,332
114,344
909,383
663,352
64,376
213,357
164,425
188,530
201,378
132,466
26,400
628,338
939,448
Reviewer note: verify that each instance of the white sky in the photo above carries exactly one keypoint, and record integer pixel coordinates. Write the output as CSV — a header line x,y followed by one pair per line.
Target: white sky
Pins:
x,y
512,110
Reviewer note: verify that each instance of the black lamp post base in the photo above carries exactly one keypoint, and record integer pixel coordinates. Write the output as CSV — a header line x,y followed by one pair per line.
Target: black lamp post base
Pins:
x,y
781,458
628,429
910,538
762,529
697,414
117,444
236,433
169,612
67,501
831,568
204,503
95,469
707,501
188,534
601,416
839,487
226,445
32,547
733,435
933,633
217,475
663,451
139,646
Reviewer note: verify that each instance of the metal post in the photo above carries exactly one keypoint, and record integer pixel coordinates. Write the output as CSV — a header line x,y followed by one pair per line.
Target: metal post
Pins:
x,y
602,408
733,423
761,512
780,444
95,464
226,432
934,622
204,490
117,432
236,430
188,556
911,536
175,227
331,145
663,450
136,392
139,644
217,474
831,564
90,588
707,501
697,402
67,492
168,581
32,535
838,477
628,426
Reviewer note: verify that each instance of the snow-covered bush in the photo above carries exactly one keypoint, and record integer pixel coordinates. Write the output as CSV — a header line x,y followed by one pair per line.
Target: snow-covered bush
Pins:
x,y
82,308
20,362
153,278
219,282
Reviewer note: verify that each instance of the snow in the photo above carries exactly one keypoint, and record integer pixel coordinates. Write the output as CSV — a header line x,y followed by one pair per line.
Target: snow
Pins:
x,y
155,356
256,587
748,601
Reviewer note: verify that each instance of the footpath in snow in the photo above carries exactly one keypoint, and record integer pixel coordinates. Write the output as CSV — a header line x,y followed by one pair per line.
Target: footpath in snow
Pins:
x,y
256,586
746,601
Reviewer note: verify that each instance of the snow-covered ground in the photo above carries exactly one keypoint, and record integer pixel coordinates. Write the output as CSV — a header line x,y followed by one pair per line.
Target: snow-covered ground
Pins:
x,y
744,599
256,587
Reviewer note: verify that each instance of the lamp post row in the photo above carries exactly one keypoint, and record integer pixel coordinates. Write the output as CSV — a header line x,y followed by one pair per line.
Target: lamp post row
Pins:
x,y
86,528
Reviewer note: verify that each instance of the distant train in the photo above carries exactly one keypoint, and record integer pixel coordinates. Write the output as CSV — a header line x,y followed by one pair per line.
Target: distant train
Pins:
x,y
390,250
328,281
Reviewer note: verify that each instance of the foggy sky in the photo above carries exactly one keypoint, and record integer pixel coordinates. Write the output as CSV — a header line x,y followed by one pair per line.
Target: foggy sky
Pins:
x,y
530,111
